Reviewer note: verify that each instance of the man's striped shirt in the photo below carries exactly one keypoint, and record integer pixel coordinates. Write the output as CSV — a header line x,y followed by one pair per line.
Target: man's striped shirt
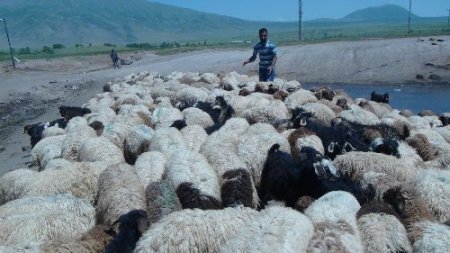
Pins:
x,y
266,53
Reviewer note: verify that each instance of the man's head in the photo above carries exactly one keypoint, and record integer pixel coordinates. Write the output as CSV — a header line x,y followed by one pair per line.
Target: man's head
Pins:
x,y
263,34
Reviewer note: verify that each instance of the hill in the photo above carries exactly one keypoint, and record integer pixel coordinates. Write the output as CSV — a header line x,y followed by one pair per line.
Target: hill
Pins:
x,y
45,22
385,13
36,23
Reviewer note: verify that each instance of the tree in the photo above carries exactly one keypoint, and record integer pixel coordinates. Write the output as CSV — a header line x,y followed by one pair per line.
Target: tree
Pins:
x,y
58,46
47,50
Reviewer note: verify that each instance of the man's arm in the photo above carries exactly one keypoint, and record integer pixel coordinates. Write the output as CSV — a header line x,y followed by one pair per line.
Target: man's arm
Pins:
x,y
251,59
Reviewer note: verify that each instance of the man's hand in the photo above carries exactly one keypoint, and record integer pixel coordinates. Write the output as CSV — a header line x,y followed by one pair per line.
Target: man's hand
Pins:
x,y
269,69
246,62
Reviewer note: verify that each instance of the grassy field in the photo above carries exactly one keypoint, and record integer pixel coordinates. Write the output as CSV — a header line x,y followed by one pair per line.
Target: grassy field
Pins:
x,y
314,32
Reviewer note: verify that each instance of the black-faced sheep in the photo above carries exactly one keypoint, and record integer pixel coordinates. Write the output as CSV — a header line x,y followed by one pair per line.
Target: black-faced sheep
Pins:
x,y
445,119
380,98
69,112
35,130
131,226
279,178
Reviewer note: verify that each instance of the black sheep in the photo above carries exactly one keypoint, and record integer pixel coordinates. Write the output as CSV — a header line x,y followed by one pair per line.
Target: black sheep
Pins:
x,y
35,130
69,112
279,178
380,98
131,227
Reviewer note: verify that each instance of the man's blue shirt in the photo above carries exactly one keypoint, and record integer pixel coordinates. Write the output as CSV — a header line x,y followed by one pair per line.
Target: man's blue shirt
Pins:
x,y
266,53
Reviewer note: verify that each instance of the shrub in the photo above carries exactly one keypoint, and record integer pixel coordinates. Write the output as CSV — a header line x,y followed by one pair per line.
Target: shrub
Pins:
x,y
47,50
25,50
58,46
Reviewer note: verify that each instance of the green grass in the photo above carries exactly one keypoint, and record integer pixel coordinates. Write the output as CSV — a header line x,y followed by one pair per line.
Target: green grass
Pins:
x,y
314,32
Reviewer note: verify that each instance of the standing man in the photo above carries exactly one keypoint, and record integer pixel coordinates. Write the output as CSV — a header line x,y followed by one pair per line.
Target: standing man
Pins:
x,y
115,59
267,57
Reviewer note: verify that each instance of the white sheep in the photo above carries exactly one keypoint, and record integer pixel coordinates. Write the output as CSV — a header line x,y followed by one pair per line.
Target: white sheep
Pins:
x,y
194,137
119,191
299,98
77,131
167,140
195,116
382,232
275,229
263,108
165,116
100,149
434,188
194,230
187,166
150,167
254,144
335,227
77,180
360,116
46,150
434,237
36,220
137,142
320,111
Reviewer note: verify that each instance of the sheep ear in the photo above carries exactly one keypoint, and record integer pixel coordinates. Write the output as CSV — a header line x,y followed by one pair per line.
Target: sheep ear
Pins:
x,y
348,147
142,224
303,122
330,147
318,169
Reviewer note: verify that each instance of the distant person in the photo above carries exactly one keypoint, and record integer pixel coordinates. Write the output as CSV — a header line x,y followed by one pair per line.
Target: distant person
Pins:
x,y
267,56
114,59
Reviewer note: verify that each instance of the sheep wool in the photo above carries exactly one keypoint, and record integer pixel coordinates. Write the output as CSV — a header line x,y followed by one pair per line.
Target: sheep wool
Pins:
x,y
434,237
434,188
299,98
188,166
334,218
100,149
46,150
161,200
13,185
194,230
166,140
77,131
137,142
381,232
254,144
275,229
194,137
36,220
150,167
195,116
119,191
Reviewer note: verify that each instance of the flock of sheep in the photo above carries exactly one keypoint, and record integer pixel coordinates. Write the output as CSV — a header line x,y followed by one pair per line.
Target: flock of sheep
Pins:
x,y
223,163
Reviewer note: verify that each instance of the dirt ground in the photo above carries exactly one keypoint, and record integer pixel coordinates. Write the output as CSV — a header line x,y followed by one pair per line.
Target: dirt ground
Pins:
x,y
33,91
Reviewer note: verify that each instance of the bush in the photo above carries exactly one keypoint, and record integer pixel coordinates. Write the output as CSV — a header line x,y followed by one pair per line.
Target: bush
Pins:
x,y
108,44
58,46
47,50
25,50
141,45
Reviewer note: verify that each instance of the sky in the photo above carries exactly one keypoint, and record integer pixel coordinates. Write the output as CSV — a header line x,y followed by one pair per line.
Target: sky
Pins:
x,y
287,10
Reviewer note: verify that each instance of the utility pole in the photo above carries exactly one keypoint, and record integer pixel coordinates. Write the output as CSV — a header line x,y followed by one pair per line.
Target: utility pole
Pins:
x,y
300,16
409,17
448,21
9,43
